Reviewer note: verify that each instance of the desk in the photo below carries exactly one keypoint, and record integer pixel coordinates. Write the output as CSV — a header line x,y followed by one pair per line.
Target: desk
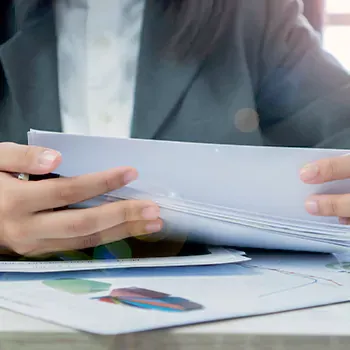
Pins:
x,y
318,328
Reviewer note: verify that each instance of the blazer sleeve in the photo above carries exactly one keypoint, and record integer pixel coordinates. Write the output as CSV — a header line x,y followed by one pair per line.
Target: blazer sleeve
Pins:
x,y
303,95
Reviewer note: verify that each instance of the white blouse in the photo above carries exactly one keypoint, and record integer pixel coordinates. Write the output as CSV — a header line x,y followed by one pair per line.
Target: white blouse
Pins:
x,y
98,47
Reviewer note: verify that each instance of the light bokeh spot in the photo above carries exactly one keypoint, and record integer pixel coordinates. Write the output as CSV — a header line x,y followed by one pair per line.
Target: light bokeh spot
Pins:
x,y
246,120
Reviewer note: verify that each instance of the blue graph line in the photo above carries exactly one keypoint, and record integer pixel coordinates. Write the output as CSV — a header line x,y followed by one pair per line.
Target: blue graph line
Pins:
x,y
313,279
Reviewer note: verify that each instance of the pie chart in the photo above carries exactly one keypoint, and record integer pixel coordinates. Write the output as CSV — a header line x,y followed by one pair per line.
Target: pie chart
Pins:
x,y
149,299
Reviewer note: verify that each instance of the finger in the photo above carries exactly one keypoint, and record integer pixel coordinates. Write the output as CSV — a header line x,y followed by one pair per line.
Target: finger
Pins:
x,y
57,193
84,222
329,205
117,233
27,159
325,170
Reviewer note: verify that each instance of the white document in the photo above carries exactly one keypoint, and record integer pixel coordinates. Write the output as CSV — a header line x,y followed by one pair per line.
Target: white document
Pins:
x,y
216,256
218,194
124,301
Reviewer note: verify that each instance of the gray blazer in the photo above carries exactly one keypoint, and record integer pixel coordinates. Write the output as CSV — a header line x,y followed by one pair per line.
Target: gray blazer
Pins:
x,y
269,64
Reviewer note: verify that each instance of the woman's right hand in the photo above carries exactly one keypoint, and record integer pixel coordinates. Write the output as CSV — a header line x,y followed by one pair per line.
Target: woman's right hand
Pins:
x,y
30,226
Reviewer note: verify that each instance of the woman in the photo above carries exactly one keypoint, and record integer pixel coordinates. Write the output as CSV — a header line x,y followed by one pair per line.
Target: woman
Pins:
x,y
216,71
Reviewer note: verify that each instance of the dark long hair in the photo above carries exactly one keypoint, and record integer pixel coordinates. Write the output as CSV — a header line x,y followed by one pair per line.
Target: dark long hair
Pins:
x,y
198,25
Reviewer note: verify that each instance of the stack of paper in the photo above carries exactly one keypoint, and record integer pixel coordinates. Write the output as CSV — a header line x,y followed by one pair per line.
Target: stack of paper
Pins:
x,y
212,256
218,194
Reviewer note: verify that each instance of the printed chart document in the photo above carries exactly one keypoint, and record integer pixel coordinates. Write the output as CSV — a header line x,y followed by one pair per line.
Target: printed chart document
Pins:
x,y
216,194
131,300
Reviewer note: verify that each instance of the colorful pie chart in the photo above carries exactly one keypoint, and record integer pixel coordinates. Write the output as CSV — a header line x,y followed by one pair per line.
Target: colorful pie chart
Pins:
x,y
149,299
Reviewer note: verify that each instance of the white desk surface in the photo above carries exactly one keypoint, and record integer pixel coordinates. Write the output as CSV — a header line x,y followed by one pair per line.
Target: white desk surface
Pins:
x,y
318,328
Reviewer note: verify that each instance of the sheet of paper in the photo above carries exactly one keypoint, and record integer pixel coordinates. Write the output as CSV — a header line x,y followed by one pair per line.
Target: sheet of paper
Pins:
x,y
124,301
216,256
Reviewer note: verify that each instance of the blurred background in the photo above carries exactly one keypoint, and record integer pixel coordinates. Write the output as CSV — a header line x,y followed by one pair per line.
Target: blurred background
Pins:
x,y
332,19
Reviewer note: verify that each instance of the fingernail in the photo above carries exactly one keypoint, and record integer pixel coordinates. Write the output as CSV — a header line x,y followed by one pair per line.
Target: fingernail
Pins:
x,y
312,207
150,213
47,158
130,176
309,172
154,227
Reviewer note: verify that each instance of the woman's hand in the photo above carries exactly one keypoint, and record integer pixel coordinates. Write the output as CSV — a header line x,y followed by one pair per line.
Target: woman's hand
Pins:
x,y
326,170
29,226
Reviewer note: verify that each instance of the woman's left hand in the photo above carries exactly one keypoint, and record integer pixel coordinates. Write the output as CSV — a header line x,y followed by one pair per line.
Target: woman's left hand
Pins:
x,y
326,170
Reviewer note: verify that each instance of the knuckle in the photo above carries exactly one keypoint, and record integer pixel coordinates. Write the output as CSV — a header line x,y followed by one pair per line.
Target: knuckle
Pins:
x,y
81,226
127,211
68,193
92,241
28,155
109,184
329,207
330,170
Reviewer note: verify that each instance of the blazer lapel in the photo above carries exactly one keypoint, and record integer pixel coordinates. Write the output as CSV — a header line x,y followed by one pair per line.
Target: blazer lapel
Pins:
x,y
161,83
30,63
